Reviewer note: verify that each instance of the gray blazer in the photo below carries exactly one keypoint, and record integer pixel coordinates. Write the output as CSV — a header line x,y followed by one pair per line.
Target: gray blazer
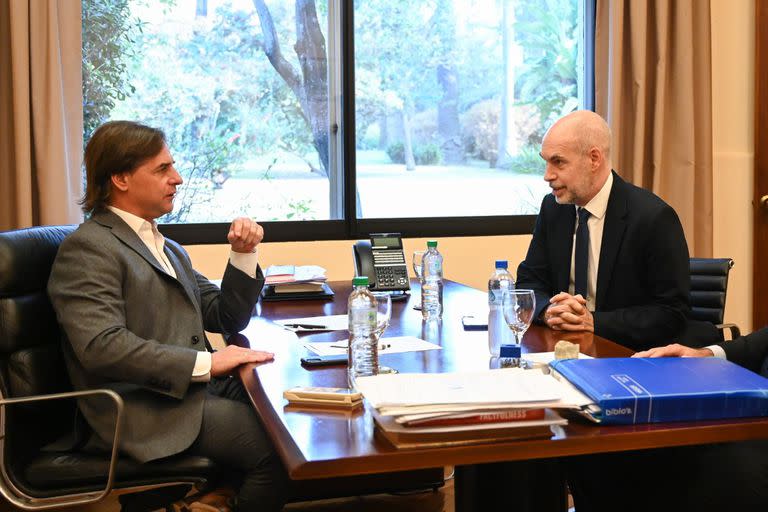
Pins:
x,y
132,328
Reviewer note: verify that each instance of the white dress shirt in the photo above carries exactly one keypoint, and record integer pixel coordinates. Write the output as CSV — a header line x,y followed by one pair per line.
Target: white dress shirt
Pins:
x,y
597,208
155,242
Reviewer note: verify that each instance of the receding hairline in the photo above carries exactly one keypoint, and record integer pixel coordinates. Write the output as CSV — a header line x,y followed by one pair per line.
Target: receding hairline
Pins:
x,y
585,129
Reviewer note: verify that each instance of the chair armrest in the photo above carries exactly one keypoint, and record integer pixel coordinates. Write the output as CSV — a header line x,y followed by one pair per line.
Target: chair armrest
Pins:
x,y
735,331
47,503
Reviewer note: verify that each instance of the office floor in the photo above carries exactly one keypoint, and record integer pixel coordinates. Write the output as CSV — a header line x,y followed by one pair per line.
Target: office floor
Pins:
x,y
439,501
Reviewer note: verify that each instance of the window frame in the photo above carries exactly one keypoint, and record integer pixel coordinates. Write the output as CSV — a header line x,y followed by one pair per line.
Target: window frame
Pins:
x,y
353,228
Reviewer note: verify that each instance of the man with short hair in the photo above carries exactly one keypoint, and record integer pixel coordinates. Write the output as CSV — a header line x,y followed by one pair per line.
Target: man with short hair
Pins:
x,y
134,313
606,256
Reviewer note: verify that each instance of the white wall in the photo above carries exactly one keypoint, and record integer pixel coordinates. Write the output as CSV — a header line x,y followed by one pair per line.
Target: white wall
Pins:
x,y
733,107
468,260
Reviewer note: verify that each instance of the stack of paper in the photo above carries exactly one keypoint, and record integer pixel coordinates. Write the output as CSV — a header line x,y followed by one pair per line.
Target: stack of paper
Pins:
x,y
416,410
295,279
296,282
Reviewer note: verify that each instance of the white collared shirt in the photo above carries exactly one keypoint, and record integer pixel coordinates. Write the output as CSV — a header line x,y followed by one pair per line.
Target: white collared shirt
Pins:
x,y
155,242
597,208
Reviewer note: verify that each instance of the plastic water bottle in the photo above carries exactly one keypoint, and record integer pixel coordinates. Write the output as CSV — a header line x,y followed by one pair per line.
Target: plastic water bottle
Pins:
x,y
363,348
432,283
498,332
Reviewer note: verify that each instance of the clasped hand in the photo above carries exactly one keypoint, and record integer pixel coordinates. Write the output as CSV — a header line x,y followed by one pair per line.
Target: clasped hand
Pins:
x,y
568,312
244,234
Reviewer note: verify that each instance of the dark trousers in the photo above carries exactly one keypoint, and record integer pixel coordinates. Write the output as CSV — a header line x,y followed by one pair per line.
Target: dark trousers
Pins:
x,y
232,435
525,486
727,476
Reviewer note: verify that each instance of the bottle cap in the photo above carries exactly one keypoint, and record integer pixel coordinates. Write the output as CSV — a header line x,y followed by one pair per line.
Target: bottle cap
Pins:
x,y
432,243
501,264
509,351
360,281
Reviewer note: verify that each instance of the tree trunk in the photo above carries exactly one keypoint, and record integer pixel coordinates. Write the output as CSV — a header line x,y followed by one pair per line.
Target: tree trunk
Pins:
x,y
410,162
448,128
201,8
448,116
507,142
313,59
310,86
383,132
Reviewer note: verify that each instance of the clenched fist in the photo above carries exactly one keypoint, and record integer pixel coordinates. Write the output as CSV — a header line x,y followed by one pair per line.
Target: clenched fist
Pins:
x,y
244,234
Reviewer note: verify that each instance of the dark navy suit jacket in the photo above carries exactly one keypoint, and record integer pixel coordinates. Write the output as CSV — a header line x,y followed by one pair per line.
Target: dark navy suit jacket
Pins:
x,y
750,351
643,278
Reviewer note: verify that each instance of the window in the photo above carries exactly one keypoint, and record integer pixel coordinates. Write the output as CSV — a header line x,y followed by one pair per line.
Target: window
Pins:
x,y
333,118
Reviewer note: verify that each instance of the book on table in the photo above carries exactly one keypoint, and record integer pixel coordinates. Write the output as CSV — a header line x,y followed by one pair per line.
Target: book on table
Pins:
x,y
286,282
403,437
475,417
649,390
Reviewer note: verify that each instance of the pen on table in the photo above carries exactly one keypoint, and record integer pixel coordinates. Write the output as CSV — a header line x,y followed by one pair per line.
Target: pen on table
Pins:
x,y
305,326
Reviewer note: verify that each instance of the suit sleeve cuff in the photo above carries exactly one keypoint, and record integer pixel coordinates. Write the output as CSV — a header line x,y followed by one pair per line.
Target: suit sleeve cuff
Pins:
x,y
245,261
202,370
718,351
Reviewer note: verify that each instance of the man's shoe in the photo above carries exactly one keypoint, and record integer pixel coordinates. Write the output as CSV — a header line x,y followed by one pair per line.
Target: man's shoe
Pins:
x,y
218,500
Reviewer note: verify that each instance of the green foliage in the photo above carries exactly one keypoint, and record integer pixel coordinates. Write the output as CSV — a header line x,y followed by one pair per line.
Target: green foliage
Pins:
x,y
109,36
480,131
425,154
428,154
396,153
527,161
548,32
208,84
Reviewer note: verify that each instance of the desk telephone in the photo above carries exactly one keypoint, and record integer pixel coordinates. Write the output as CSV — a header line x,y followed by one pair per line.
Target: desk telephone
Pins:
x,y
381,259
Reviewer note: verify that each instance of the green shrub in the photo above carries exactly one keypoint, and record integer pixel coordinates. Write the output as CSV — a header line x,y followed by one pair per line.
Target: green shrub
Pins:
x,y
480,130
427,154
527,161
396,153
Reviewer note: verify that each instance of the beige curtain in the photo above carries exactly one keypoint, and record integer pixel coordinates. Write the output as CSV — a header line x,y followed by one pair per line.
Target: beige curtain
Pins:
x,y
653,85
41,117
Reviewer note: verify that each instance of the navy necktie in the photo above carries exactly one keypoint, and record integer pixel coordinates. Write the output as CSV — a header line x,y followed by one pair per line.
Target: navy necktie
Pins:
x,y
581,256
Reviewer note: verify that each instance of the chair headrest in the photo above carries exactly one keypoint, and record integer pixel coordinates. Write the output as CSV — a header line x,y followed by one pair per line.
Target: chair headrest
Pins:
x,y
26,257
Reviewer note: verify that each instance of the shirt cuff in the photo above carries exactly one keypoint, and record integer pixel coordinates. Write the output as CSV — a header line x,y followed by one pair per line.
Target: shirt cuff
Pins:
x,y
718,351
245,261
202,370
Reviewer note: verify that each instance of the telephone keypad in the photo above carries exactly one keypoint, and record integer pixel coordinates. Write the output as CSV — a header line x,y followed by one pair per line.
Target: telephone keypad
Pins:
x,y
391,272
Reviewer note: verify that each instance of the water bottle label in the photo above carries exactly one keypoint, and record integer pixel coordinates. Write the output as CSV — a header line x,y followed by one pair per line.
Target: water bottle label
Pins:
x,y
363,316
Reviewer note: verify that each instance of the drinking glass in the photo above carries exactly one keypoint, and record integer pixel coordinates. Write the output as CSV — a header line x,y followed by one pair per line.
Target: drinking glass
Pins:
x,y
518,306
383,312
383,316
418,256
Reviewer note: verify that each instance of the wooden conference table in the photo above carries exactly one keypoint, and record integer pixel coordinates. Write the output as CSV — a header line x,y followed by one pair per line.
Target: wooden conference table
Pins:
x,y
319,444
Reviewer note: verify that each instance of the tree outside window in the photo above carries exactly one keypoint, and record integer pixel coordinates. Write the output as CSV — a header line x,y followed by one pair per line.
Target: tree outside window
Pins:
x,y
452,98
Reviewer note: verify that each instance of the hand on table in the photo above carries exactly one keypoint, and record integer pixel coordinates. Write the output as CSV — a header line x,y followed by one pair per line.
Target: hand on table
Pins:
x,y
224,361
675,350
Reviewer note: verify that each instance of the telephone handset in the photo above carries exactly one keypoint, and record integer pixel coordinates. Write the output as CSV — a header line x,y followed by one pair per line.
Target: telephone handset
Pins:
x,y
381,259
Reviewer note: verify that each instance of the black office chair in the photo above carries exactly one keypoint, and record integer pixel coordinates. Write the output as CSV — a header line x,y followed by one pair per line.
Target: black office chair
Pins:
x,y
709,287
40,464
